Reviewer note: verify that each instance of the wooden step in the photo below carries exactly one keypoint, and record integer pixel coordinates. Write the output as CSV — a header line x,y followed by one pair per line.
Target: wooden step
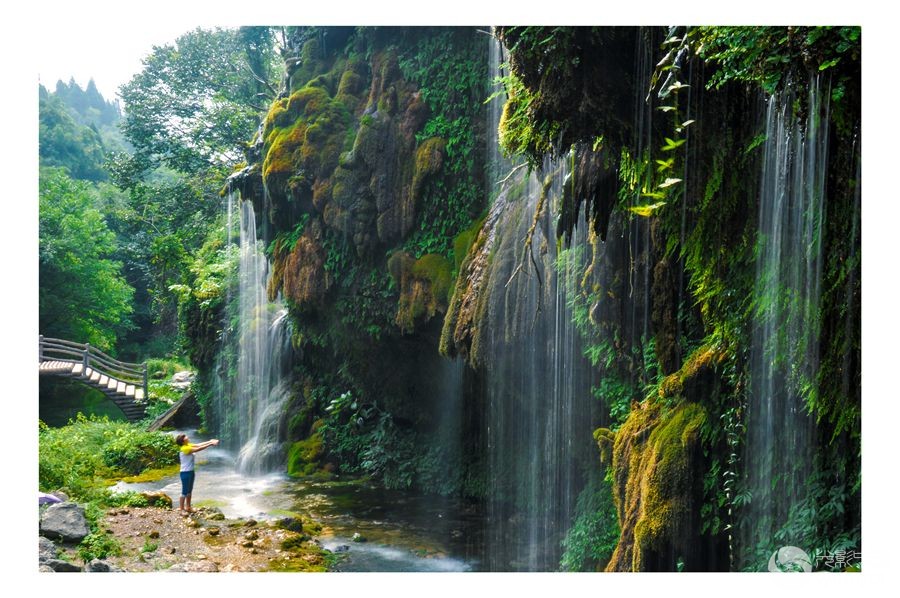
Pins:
x,y
95,377
129,391
76,369
120,387
138,394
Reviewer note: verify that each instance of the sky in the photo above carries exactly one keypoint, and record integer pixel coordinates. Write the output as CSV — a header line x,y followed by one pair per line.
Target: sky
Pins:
x,y
109,55
48,40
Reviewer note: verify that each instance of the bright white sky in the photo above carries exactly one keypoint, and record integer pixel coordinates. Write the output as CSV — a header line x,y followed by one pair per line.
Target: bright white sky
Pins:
x,y
109,55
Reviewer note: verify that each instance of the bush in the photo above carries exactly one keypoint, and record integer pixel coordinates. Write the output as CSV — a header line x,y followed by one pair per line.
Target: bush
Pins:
x,y
80,456
134,451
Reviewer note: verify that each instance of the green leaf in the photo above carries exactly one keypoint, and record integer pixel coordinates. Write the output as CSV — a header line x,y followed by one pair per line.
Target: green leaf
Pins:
x,y
829,63
665,164
672,144
646,210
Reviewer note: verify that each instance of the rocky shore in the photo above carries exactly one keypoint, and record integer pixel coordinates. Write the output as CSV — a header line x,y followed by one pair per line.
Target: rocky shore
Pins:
x,y
159,538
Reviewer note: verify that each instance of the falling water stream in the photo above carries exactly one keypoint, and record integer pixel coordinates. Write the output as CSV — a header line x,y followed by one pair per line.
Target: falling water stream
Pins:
x,y
784,355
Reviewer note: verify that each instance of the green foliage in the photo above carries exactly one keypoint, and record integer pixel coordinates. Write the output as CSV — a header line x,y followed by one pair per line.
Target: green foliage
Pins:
x,y
149,545
165,368
365,440
288,240
81,455
129,498
83,295
590,541
818,523
67,144
132,451
767,55
195,101
449,66
87,105
98,545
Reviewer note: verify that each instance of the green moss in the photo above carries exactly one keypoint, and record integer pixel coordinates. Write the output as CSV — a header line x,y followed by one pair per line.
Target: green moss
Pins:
x,y
424,286
463,242
304,136
350,85
653,475
437,271
149,475
429,159
304,456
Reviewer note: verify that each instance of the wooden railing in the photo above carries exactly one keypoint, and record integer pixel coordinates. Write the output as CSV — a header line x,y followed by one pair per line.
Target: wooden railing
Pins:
x,y
54,349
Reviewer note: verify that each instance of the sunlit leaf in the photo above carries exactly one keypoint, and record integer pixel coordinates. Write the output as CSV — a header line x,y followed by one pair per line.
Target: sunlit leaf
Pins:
x,y
669,182
646,210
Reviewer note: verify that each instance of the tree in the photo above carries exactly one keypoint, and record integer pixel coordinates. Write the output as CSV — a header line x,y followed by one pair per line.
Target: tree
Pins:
x,y
196,102
83,295
65,143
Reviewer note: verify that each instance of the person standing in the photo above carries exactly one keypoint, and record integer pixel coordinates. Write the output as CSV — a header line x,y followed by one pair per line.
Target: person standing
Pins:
x,y
186,452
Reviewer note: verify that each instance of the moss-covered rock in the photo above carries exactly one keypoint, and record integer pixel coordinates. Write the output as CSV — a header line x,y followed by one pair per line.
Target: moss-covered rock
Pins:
x,y
304,456
658,463
429,159
424,287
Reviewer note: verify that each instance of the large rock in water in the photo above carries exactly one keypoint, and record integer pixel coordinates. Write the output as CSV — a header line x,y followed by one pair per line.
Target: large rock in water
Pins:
x,y
65,521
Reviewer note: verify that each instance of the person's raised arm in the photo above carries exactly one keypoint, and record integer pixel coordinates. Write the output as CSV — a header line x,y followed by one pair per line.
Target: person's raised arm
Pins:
x,y
204,445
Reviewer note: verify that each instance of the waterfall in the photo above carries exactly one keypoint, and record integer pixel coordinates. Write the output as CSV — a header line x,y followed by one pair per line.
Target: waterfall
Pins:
x,y
255,392
784,357
537,380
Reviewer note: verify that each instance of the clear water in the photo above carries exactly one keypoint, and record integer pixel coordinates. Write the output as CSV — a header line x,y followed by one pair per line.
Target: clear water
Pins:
x,y
403,531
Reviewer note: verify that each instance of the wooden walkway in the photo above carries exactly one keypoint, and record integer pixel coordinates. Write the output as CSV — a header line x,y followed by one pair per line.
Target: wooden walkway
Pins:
x,y
124,383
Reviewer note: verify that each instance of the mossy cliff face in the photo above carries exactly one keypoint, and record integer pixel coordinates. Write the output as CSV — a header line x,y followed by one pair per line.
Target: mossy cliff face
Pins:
x,y
364,171
424,285
345,152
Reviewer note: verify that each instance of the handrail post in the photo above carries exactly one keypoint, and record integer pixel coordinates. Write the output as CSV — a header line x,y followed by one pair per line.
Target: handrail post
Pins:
x,y
40,348
86,359
146,395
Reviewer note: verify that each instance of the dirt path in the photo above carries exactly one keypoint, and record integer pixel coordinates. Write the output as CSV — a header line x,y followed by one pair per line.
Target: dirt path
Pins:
x,y
160,539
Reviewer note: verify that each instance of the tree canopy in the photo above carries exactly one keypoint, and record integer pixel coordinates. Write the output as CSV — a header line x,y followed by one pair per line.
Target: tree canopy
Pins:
x,y
83,295
197,101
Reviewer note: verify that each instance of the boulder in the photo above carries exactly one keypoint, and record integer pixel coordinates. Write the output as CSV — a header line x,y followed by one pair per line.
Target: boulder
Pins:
x,y
45,569
62,566
65,521
46,549
182,380
99,566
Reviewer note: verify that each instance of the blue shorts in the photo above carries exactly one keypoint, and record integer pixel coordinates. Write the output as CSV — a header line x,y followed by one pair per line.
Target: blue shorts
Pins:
x,y
187,482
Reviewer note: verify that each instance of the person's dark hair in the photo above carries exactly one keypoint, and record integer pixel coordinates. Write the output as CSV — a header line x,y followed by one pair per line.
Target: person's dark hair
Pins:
x,y
179,440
